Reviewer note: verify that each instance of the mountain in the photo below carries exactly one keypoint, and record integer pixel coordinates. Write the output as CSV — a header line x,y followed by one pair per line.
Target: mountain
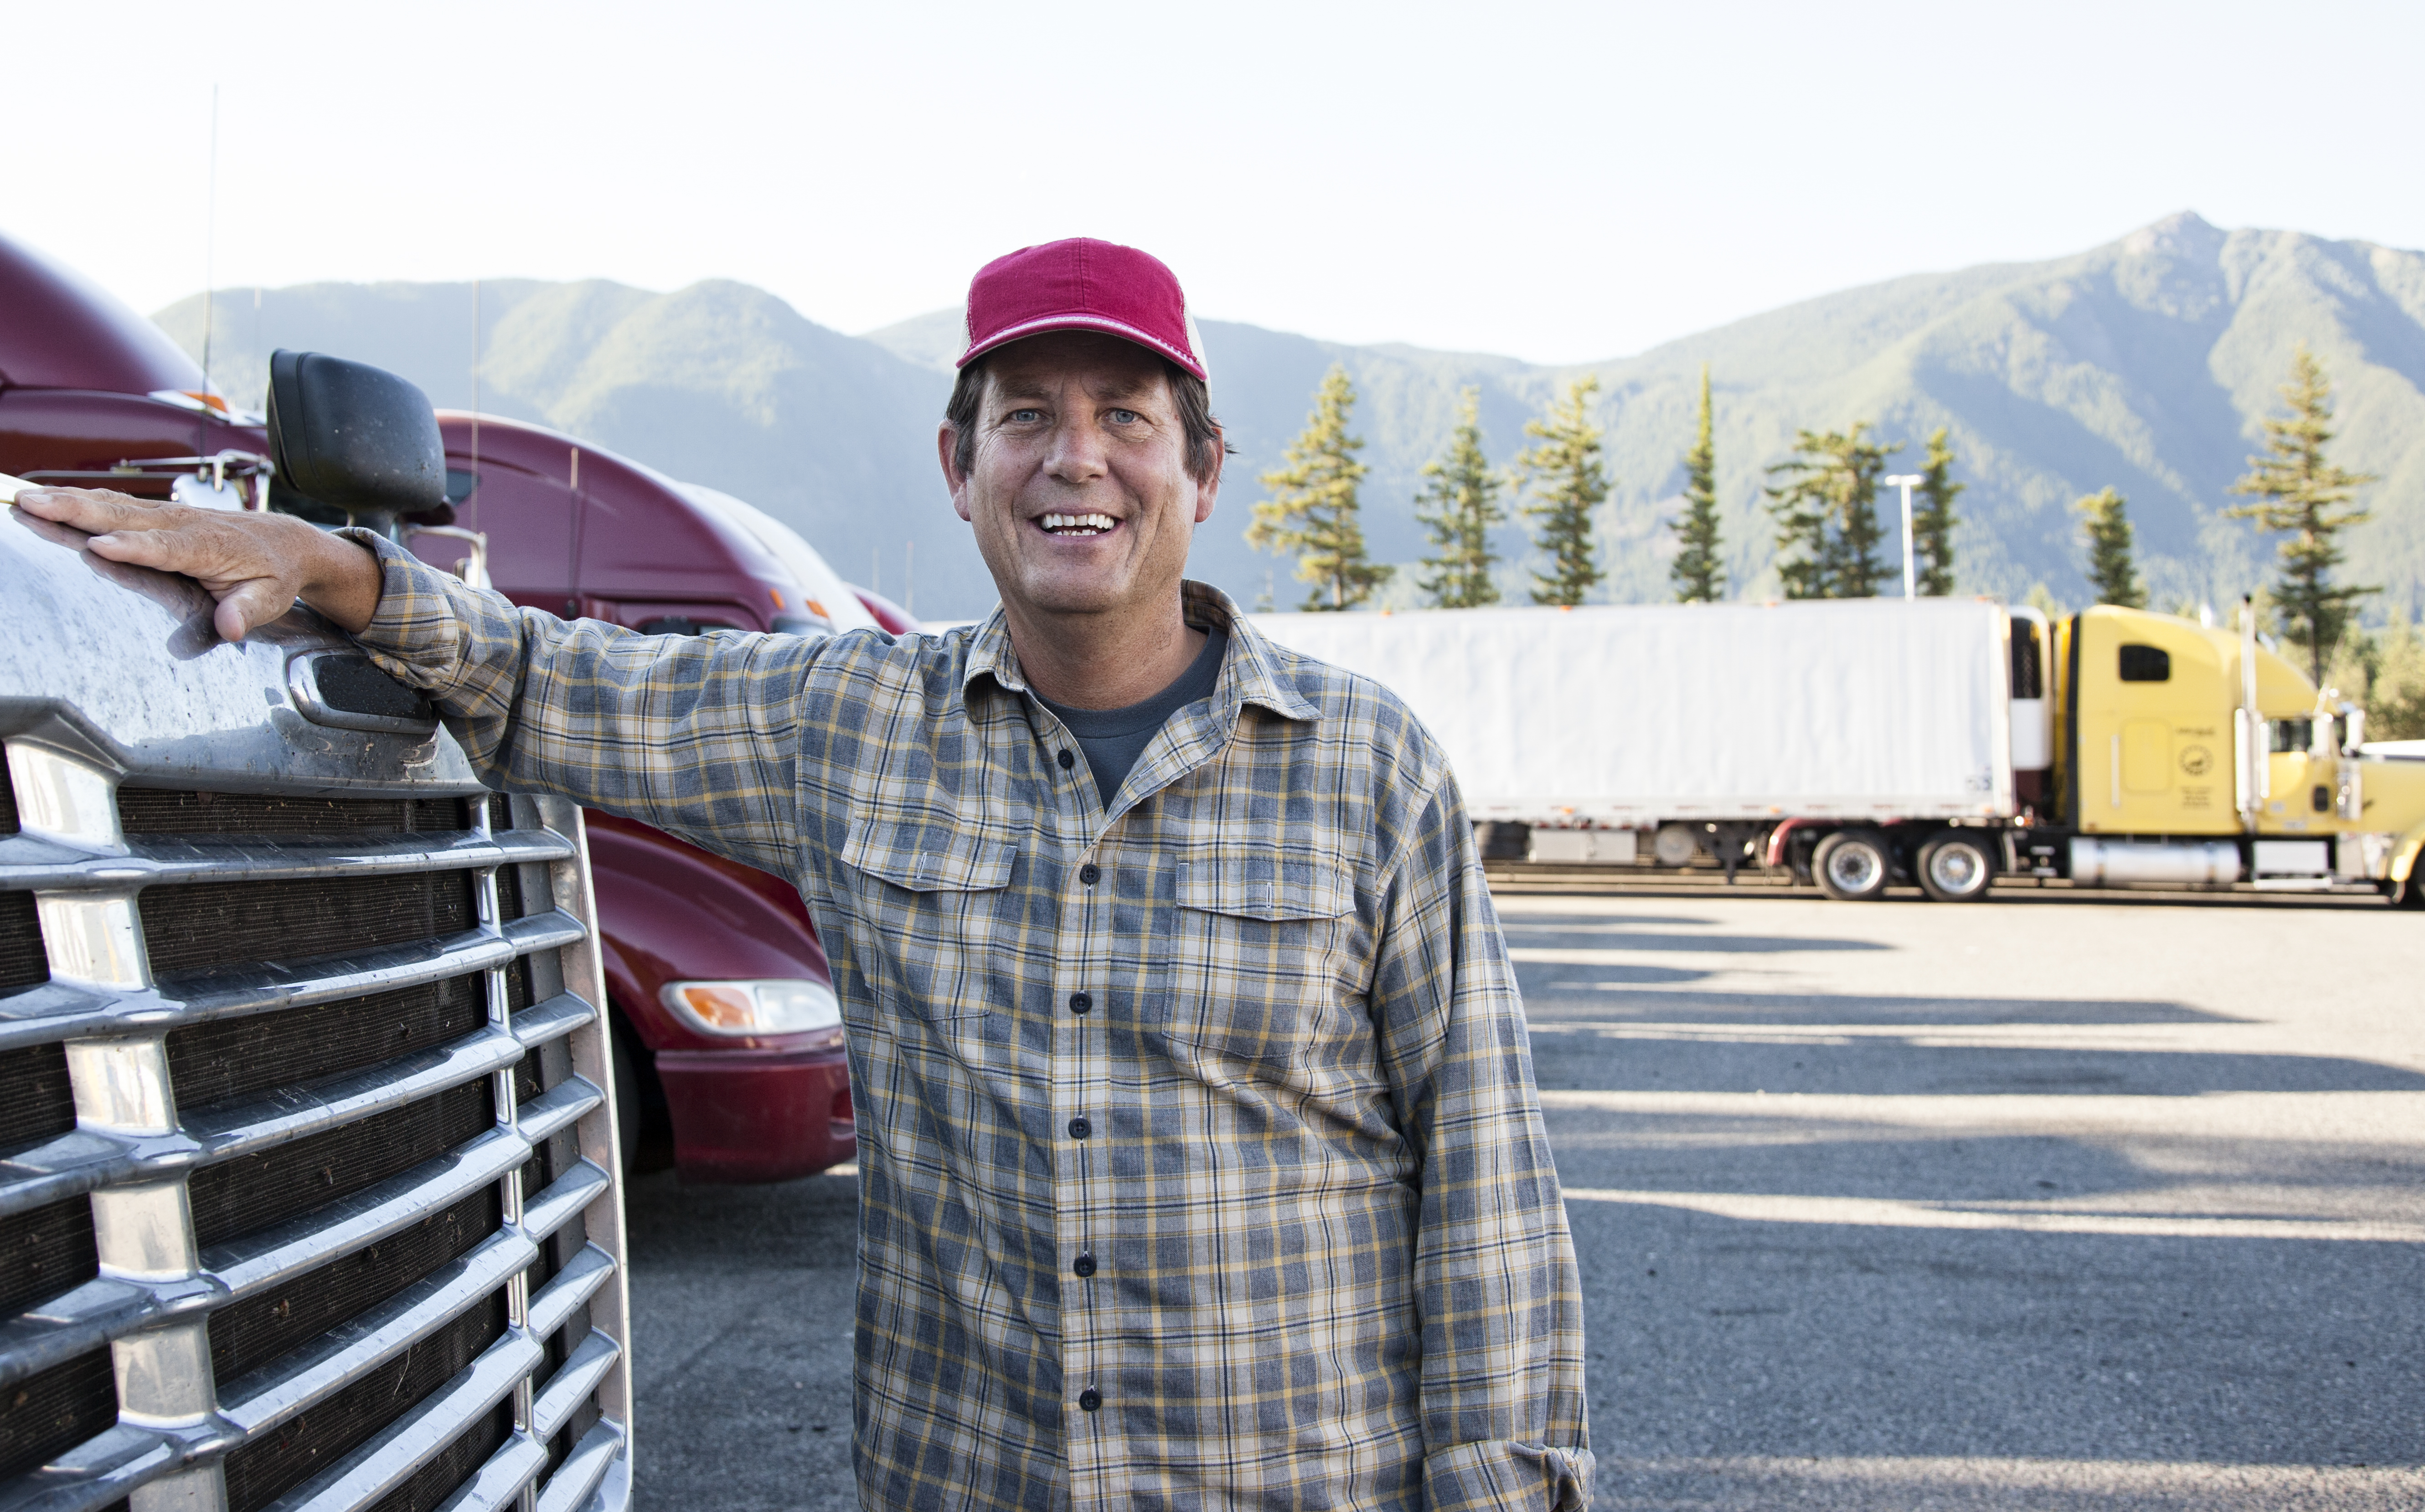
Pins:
x,y
719,383
2147,364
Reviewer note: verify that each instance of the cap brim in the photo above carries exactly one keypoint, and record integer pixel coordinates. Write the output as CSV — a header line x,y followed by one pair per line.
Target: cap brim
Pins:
x,y
1082,321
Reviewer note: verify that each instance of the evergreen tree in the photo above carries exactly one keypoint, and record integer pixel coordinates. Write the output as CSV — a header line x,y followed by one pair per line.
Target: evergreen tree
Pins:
x,y
2111,571
1459,507
1828,510
2299,492
1933,520
1698,572
1568,476
1313,508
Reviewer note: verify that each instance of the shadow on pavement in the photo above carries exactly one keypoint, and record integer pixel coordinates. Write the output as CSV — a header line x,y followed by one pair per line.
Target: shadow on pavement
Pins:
x,y
1750,1363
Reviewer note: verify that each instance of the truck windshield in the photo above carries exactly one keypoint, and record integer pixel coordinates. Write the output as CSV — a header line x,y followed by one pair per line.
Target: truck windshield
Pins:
x,y
2291,735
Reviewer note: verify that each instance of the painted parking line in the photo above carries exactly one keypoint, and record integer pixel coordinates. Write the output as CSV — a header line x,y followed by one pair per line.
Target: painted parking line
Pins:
x,y
1870,1212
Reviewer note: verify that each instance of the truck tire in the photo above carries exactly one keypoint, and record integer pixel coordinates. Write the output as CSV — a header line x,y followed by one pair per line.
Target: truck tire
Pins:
x,y
1674,845
1954,868
1854,864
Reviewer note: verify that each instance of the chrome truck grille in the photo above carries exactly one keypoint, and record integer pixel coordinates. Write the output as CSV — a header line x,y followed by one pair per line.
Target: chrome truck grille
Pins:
x,y
307,1187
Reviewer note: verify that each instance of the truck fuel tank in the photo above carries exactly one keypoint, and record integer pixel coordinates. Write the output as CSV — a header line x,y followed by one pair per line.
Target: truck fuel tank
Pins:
x,y
2096,863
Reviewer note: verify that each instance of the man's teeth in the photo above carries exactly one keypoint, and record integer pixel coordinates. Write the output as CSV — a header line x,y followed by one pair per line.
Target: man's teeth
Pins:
x,y
1078,524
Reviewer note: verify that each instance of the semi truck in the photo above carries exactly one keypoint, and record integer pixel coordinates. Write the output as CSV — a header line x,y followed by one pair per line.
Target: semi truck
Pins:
x,y
1863,743
310,1180
728,1035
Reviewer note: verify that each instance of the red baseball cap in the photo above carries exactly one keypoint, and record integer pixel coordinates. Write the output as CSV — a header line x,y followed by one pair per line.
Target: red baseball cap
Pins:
x,y
1081,284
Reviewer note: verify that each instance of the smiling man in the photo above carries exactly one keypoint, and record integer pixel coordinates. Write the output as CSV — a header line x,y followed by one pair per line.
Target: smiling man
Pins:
x,y
1201,1164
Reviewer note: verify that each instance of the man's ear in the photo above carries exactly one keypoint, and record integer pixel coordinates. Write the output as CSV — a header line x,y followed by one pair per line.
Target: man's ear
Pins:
x,y
1207,488
947,452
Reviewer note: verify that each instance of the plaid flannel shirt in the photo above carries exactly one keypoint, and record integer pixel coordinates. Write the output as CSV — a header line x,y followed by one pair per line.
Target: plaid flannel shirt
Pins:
x,y
1199,1159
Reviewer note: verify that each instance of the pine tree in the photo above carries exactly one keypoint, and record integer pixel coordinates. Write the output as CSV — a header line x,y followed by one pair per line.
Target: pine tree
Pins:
x,y
1828,512
1698,572
1568,476
1459,507
2299,492
1932,521
1313,508
2111,572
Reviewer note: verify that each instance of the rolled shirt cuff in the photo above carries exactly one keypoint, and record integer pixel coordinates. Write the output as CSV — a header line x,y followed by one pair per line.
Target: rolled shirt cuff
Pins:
x,y
1507,1475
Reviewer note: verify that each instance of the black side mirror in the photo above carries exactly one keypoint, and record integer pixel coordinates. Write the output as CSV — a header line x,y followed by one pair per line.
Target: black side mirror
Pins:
x,y
354,444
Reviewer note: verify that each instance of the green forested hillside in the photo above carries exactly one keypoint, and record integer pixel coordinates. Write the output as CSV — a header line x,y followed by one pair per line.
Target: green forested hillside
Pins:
x,y
2146,364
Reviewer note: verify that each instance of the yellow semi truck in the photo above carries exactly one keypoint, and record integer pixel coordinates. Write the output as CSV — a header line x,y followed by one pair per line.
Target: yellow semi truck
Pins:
x,y
1860,743
2188,754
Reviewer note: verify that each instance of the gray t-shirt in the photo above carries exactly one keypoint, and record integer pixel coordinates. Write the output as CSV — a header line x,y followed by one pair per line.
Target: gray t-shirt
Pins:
x,y
1113,739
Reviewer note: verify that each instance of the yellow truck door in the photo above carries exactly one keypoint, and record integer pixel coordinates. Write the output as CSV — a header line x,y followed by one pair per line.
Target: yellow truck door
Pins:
x,y
2153,721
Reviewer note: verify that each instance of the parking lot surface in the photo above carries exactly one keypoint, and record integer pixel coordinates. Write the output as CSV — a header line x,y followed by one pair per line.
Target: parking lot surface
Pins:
x,y
2043,1204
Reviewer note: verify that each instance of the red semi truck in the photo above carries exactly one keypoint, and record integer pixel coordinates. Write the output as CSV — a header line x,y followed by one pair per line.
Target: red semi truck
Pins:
x,y
729,1045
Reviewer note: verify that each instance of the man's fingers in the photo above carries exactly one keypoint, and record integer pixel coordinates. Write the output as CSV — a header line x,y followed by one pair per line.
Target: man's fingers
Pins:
x,y
141,549
92,509
249,604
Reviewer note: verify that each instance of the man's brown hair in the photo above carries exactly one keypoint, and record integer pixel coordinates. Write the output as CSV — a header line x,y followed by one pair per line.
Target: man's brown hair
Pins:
x,y
1189,394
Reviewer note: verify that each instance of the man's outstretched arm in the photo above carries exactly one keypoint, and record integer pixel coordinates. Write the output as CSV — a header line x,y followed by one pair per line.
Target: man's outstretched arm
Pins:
x,y
696,735
256,565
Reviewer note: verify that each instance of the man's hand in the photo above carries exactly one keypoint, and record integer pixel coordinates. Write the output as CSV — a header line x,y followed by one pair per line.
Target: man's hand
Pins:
x,y
256,565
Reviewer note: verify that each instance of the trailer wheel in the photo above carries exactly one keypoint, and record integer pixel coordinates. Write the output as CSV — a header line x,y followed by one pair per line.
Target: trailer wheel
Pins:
x,y
1674,845
1954,868
1854,864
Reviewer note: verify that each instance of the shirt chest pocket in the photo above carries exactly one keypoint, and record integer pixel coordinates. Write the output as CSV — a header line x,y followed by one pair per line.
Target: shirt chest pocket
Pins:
x,y
1257,969
931,901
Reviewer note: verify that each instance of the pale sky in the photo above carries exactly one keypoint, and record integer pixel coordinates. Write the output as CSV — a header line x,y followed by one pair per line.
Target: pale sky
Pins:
x,y
1557,183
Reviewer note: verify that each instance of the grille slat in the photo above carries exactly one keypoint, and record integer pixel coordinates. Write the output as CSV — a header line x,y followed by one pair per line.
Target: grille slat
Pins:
x,y
319,1439
228,991
245,1265
413,1286
255,1192
434,1482
220,1062
55,1411
192,929
176,861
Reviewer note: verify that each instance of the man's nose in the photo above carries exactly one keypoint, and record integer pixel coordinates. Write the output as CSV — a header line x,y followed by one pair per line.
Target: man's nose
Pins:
x,y
1078,452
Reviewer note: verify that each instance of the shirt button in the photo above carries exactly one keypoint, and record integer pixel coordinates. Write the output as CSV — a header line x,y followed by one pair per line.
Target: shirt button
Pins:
x,y
1079,1002
1080,1128
1090,1399
1067,761
1084,1266
1090,874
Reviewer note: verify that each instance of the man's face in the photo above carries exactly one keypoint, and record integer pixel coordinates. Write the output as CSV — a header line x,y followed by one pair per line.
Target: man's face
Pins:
x,y
1079,488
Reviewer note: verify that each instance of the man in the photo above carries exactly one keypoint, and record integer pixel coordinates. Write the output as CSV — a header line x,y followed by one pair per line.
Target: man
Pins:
x,y
1201,1164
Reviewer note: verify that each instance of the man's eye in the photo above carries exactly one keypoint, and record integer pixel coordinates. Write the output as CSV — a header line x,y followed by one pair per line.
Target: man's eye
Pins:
x,y
1122,416
1023,417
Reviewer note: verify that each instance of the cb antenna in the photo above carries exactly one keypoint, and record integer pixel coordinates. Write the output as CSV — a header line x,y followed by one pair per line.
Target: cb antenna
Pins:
x,y
210,239
471,498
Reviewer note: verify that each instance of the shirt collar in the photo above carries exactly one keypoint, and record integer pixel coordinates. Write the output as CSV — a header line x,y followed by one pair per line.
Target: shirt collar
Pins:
x,y
1248,672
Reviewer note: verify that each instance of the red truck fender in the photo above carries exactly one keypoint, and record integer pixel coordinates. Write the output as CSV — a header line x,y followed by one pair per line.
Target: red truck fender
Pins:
x,y
744,1109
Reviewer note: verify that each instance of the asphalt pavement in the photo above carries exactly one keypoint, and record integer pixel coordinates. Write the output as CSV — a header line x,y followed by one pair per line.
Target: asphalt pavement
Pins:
x,y
2047,1202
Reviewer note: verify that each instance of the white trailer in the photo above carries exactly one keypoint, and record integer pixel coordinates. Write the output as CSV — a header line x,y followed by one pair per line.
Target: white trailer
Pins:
x,y
1712,726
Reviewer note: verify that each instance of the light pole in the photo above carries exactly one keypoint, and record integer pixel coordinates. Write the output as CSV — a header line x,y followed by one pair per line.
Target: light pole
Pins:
x,y
1907,480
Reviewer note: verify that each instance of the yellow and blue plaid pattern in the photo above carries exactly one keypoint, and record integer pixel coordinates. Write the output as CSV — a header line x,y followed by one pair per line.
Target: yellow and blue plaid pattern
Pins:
x,y
1201,1164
